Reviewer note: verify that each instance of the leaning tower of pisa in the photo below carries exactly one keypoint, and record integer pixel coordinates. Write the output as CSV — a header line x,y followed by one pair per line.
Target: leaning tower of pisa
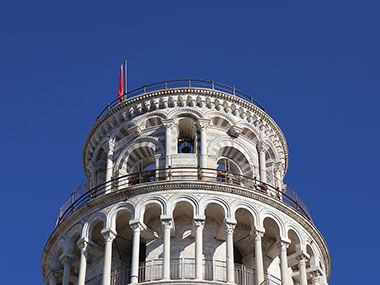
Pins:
x,y
185,185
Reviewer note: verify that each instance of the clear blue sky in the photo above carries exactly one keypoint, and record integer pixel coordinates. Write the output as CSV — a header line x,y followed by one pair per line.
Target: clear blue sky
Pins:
x,y
313,64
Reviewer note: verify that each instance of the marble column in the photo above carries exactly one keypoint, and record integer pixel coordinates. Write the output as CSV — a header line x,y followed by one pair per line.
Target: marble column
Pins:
x,y
203,125
230,227
109,235
167,224
168,124
67,261
136,228
302,267
110,151
262,148
199,225
259,262
83,245
284,262
277,175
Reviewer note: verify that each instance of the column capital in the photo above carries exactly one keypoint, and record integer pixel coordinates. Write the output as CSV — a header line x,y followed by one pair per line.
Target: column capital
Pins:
x,y
284,244
110,147
262,147
108,234
199,223
278,166
203,123
229,226
257,233
136,226
168,123
67,259
302,258
83,244
167,222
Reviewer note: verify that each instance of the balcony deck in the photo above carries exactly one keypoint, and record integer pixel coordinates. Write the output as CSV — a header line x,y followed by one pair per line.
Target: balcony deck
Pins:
x,y
83,194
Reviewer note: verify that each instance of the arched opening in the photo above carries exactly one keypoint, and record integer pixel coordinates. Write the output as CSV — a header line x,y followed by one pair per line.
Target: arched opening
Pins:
x,y
151,255
186,136
220,122
182,252
214,243
232,165
95,252
271,247
244,243
141,165
122,248
153,122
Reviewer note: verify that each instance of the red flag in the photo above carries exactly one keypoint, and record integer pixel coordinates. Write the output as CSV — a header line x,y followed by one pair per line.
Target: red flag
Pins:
x,y
120,94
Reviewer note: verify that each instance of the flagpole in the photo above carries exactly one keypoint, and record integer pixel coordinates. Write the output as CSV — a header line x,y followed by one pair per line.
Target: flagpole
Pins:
x,y
125,78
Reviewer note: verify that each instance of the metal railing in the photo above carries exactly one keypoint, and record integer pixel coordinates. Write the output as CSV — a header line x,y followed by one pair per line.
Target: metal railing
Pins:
x,y
184,83
184,269
83,194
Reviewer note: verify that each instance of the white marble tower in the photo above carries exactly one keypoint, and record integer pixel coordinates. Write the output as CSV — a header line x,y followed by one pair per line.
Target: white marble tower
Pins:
x,y
185,185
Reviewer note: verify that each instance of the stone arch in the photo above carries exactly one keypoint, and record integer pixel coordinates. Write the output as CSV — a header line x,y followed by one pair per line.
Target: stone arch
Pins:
x,y
141,122
212,114
153,199
183,197
175,113
313,260
290,227
76,230
91,221
295,240
225,141
113,212
269,214
212,199
272,151
241,204
151,145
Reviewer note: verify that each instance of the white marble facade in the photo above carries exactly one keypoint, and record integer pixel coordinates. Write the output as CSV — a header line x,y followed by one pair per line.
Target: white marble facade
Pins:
x,y
218,214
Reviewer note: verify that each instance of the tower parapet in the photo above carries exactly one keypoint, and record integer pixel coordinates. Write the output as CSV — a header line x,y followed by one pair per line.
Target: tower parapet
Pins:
x,y
185,185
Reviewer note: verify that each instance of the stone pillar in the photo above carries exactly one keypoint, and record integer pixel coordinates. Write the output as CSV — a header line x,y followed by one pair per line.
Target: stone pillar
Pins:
x,y
277,175
167,224
83,246
136,228
67,261
262,148
109,235
302,267
168,124
199,224
284,262
203,125
316,277
259,262
110,150
230,251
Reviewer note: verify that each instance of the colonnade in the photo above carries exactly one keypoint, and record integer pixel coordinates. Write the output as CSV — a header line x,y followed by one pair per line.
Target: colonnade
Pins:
x,y
167,224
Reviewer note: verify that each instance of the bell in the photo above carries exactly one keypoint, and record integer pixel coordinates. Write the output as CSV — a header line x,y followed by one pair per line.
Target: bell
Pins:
x,y
186,148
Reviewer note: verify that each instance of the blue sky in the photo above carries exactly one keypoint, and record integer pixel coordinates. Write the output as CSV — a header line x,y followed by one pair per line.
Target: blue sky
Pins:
x,y
313,64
